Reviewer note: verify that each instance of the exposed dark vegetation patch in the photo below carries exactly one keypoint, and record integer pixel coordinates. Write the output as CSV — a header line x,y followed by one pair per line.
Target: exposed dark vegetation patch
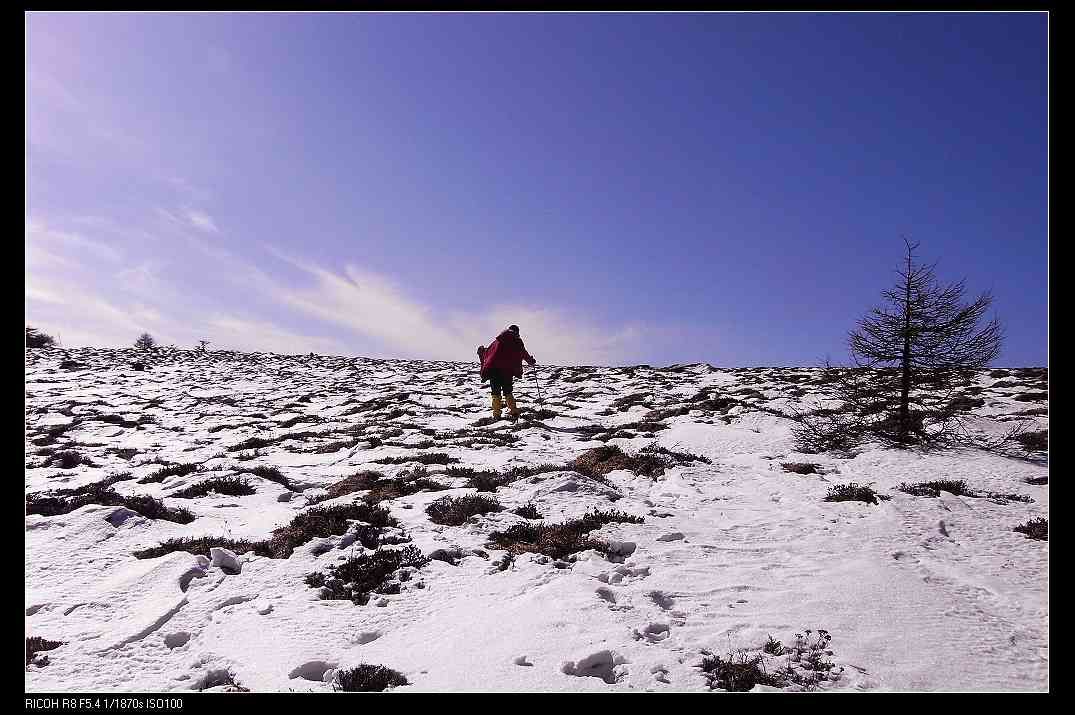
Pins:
x,y
427,458
739,672
313,419
959,488
677,458
405,484
663,413
528,511
365,678
934,488
965,404
173,470
540,414
200,545
1037,441
1037,481
64,501
1032,397
68,459
807,665
252,443
355,579
1037,529
559,540
360,481
36,339
454,511
599,461
230,486
270,473
318,522
36,644
490,481
854,492
801,467
773,647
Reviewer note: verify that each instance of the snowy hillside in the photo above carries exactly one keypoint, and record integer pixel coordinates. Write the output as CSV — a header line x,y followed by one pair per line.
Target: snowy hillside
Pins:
x,y
917,592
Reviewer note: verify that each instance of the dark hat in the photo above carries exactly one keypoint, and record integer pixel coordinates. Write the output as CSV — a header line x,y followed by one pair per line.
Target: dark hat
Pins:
x,y
514,329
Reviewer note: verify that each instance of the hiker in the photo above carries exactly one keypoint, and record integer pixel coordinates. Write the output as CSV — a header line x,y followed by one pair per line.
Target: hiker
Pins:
x,y
501,361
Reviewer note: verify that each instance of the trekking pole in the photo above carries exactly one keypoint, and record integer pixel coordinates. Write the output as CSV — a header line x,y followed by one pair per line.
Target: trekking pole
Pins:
x,y
537,383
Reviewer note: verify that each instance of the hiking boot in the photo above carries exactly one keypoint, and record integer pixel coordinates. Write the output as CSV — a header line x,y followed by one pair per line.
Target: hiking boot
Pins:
x,y
496,407
513,409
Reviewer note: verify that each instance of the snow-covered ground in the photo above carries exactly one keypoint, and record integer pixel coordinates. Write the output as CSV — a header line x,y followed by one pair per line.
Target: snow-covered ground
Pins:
x,y
918,593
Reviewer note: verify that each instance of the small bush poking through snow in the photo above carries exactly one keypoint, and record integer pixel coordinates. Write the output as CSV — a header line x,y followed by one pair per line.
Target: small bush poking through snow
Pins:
x,y
230,486
272,474
454,511
320,522
217,678
677,458
558,540
773,647
854,492
600,461
1037,529
934,488
1034,441
403,485
959,488
801,467
36,644
807,665
200,545
174,470
528,511
738,673
355,579
68,459
64,501
427,458
366,678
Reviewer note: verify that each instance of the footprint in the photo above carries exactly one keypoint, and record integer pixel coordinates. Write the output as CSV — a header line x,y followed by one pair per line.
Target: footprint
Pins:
x,y
601,664
312,670
606,594
654,632
365,637
626,574
662,599
674,536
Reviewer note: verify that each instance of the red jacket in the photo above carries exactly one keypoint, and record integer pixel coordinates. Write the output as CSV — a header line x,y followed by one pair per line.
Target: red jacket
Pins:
x,y
506,354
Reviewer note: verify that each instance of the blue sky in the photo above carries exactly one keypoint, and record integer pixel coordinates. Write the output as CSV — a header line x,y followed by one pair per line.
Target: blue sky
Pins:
x,y
628,188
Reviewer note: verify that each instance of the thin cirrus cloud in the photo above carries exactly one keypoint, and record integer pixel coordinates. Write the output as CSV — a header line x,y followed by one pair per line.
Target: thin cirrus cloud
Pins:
x,y
359,311
371,305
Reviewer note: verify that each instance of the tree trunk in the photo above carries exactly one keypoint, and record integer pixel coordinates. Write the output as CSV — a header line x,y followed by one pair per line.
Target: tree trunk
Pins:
x,y
904,426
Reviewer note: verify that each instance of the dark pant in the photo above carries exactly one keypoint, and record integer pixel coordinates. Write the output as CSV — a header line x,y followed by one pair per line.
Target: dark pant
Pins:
x,y
499,382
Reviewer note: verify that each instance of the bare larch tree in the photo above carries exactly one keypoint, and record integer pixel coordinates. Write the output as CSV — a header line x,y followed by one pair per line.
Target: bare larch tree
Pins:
x,y
911,360
145,341
913,353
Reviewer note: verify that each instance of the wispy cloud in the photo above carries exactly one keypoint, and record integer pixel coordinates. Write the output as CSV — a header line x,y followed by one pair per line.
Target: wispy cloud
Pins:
x,y
229,331
371,305
51,244
355,310
202,220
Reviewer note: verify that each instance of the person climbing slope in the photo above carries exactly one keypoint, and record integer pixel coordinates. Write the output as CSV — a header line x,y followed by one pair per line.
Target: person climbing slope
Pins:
x,y
502,361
